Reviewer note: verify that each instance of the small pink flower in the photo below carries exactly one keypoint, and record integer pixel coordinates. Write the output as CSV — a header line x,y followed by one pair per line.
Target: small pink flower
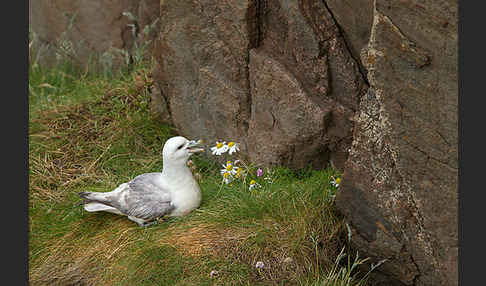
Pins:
x,y
259,172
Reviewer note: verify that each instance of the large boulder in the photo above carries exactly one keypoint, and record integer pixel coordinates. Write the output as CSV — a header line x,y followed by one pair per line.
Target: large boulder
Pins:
x,y
399,188
202,68
305,88
274,75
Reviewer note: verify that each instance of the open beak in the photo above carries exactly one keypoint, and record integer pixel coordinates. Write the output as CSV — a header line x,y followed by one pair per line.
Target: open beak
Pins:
x,y
194,146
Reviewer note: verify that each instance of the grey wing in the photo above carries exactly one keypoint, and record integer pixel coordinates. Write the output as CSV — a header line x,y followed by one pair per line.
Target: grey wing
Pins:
x,y
145,199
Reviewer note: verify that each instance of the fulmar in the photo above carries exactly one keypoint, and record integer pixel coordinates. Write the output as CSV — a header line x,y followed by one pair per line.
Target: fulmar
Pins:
x,y
149,196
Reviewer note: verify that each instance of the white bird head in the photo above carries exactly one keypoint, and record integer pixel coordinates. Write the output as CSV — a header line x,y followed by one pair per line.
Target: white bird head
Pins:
x,y
177,150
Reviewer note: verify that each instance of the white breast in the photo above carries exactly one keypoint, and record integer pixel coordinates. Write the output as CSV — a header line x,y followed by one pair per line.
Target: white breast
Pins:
x,y
186,199
184,191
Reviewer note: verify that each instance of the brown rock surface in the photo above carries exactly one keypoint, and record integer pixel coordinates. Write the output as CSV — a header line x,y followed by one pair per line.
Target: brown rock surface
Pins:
x,y
399,187
228,70
354,18
280,107
202,56
305,88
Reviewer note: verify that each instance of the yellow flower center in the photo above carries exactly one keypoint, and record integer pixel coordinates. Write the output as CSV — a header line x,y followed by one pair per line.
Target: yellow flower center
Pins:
x,y
226,175
229,167
219,145
338,180
252,182
238,172
231,144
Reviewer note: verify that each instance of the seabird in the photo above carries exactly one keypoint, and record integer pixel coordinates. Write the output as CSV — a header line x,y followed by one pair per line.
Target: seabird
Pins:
x,y
172,192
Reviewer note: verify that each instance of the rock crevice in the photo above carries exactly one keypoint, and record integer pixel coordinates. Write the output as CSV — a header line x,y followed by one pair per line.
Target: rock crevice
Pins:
x,y
346,44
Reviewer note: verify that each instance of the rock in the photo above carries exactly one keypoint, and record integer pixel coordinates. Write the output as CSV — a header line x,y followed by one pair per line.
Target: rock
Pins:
x,y
354,18
219,65
202,56
280,107
280,110
83,32
399,187
304,88
159,105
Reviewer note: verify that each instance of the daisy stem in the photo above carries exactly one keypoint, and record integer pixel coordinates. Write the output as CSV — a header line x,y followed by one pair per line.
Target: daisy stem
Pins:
x,y
220,187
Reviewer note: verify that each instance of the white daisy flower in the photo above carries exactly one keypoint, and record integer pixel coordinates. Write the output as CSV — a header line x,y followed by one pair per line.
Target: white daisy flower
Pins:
x,y
227,177
336,182
228,167
253,184
220,148
233,147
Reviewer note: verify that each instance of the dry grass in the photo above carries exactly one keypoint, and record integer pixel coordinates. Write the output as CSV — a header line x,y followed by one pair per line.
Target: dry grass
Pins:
x,y
196,240
69,141
54,170
79,258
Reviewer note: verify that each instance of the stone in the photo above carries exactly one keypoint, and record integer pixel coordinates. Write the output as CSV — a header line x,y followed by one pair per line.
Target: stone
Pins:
x,y
399,187
280,109
305,88
354,18
202,55
159,105
218,67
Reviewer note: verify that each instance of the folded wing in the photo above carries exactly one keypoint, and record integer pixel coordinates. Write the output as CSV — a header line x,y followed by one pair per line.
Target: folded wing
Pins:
x,y
144,199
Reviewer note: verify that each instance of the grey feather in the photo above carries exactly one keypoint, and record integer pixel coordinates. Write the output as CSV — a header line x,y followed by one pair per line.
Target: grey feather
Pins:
x,y
143,198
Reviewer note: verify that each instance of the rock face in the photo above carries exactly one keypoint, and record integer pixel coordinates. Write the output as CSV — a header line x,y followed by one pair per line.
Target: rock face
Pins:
x,y
354,18
399,187
84,31
305,88
274,75
202,70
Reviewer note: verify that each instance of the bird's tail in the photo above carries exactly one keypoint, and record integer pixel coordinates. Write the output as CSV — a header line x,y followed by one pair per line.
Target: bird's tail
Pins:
x,y
90,197
93,202
87,197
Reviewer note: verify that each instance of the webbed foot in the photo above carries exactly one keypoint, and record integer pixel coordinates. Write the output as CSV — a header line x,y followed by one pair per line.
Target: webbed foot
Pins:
x,y
148,223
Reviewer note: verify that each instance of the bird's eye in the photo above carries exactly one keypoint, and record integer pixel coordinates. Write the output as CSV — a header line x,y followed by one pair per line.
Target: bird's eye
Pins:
x,y
180,147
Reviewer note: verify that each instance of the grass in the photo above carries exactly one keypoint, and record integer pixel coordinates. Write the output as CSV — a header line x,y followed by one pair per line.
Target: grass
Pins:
x,y
93,132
